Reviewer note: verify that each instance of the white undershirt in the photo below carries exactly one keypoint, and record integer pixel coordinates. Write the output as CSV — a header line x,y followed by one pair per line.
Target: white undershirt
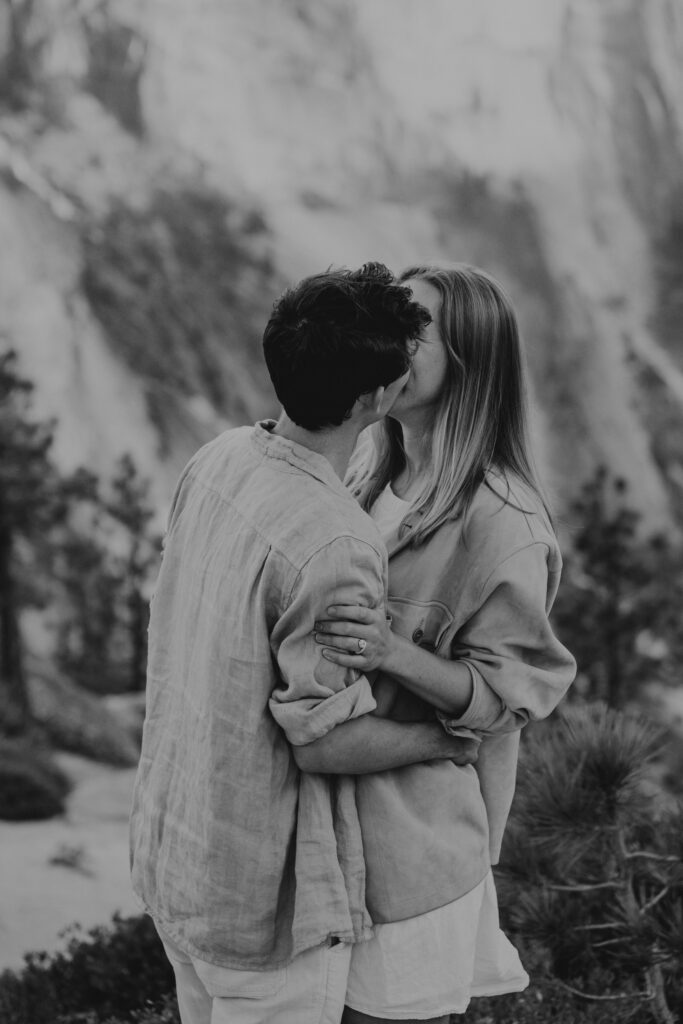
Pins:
x,y
388,511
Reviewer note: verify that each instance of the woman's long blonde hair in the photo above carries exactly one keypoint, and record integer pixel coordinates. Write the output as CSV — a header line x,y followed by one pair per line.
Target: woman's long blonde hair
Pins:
x,y
481,419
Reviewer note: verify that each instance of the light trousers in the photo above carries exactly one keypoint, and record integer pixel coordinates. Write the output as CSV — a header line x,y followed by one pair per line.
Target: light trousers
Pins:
x,y
309,990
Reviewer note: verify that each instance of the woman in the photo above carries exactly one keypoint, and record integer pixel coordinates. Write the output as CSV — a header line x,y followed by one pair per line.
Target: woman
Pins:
x,y
473,570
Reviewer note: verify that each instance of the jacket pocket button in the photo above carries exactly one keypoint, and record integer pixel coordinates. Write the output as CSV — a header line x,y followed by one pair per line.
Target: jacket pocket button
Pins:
x,y
417,636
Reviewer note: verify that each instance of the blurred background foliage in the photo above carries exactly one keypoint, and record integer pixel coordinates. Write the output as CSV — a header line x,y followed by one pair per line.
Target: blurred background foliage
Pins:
x,y
80,555
171,284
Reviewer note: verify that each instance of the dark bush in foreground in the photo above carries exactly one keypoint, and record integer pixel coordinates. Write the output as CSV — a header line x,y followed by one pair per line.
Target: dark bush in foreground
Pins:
x,y
166,1012
546,1002
112,972
592,865
32,787
119,975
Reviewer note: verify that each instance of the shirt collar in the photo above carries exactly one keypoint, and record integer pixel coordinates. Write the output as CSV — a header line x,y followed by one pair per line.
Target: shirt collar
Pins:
x,y
276,447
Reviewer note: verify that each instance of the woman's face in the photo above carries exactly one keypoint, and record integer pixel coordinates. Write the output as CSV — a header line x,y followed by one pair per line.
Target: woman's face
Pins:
x,y
430,362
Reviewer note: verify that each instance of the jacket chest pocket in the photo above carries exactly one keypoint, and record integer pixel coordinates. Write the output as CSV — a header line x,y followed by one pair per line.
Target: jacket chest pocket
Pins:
x,y
424,622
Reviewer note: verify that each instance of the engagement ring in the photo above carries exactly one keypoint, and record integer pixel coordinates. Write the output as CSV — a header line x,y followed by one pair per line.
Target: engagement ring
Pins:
x,y
362,644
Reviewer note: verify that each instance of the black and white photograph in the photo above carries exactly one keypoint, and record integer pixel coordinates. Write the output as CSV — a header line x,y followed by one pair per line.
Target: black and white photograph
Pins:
x,y
341,511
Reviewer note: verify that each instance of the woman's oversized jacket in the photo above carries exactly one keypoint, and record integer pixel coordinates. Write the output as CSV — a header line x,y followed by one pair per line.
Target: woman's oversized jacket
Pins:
x,y
478,590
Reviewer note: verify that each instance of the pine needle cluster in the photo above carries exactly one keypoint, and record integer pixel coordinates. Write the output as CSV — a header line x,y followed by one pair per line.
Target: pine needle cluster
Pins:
x,y
592,868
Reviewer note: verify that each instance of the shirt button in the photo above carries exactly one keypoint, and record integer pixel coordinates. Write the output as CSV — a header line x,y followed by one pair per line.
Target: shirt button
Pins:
x,y
417,636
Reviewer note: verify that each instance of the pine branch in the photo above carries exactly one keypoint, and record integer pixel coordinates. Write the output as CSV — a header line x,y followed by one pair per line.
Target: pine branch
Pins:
x,y
597,927
644,996
658,996
585,887
655,899
632,854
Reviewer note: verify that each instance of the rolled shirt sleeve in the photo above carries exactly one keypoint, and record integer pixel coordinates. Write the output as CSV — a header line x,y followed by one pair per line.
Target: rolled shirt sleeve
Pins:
x,y
315,695
519,668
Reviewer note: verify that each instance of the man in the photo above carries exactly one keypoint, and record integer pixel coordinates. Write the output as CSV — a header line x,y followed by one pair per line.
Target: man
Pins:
x,y
245,841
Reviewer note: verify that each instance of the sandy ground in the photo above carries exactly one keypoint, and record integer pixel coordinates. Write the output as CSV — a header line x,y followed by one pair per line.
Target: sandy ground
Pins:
x,y
39,899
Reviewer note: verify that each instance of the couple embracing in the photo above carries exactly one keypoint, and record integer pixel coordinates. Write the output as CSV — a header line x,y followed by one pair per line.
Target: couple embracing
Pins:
x,y
347,635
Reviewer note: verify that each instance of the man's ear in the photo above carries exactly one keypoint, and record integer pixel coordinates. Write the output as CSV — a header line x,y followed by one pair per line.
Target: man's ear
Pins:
x,y
372,400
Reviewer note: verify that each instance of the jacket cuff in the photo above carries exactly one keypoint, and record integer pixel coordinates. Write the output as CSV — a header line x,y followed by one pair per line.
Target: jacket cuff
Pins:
x,y
484,708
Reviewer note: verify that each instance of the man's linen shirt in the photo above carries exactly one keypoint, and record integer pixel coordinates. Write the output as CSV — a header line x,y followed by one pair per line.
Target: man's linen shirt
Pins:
x,y
243,860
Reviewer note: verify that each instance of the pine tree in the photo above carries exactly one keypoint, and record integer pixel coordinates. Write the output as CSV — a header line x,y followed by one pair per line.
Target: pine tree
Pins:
x,y
31,503
88,640
107,560
89,557
16,68
592,866
134,566
616,607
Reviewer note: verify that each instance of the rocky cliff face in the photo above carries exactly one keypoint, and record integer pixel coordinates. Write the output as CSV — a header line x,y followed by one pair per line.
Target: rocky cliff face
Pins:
x,y
547,148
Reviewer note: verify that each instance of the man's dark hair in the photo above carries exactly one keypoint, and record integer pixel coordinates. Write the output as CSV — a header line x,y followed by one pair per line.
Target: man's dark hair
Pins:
x,y
336,336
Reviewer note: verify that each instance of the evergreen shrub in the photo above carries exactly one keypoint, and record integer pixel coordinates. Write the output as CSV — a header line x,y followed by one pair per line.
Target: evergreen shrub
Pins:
x,y
32,786
618,607
166,1012
106,984
592,864
545,1001
115,972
